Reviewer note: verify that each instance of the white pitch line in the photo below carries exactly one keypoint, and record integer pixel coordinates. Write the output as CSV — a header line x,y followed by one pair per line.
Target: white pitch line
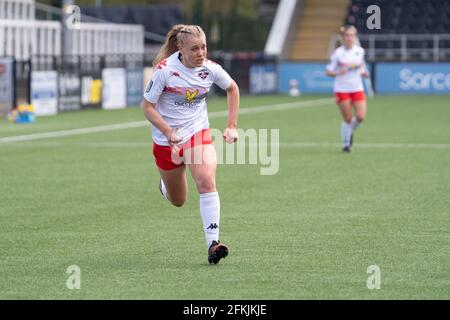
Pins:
x,y
73,132
290,145
367,145
137,124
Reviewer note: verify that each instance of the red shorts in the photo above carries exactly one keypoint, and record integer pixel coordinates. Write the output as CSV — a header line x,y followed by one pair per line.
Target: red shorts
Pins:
x,y
354,96
163,154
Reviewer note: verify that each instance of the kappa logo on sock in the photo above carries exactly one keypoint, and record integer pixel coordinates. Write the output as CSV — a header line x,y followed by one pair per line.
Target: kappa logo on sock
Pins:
x,y
213,226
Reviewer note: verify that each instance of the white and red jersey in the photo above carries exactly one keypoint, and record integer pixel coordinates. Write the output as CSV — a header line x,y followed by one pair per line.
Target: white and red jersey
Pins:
x,y
180,94
351,60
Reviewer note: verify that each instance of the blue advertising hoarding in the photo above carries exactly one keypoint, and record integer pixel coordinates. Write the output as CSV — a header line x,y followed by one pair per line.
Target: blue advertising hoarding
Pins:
x,y
310,77
44,92
413,78
135,78
263,78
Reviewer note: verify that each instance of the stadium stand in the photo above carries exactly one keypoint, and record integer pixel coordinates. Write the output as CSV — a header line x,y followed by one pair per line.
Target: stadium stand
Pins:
x,y
319,20
417,16
410,30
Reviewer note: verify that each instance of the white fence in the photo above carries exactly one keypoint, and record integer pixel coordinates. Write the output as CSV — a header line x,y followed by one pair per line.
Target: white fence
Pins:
x,y
17,9
107,38
21,39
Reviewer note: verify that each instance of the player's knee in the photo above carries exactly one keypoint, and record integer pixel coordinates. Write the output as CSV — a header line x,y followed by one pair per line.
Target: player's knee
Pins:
x,y
178,202
206,184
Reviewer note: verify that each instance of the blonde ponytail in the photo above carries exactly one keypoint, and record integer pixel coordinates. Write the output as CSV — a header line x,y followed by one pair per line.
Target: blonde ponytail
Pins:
x,y
170,46
175,38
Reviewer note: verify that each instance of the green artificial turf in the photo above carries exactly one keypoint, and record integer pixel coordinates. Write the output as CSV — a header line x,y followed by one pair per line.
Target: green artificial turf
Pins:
x,y
308,232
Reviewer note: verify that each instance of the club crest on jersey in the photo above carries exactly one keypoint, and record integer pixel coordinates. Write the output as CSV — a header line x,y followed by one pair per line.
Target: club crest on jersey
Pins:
x,y
203,74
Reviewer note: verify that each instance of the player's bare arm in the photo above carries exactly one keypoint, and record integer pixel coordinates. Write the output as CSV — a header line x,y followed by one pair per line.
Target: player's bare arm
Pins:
x,y
230,134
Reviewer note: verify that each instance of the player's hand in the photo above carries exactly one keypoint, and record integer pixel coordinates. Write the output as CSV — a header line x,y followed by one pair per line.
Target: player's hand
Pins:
x,y
174,140
230,135
341,71
365,74
173,137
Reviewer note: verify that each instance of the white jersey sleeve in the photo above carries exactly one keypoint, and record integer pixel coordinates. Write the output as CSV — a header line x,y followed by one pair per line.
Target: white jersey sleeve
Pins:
x,y
333,65
156,86
220,76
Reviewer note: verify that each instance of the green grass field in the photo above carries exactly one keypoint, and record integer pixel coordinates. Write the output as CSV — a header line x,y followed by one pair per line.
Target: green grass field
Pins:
x,y
308,232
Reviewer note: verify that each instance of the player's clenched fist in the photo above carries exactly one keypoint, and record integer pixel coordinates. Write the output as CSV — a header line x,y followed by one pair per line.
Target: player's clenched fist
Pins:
x,y
172,137
230,135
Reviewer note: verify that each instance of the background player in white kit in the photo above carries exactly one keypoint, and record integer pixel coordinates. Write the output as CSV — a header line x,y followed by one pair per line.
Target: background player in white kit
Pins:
x,y
175,104
347,65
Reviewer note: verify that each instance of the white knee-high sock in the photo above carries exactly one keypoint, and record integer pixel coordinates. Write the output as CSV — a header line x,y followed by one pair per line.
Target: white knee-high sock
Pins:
x,y
346,133
355,123
210,212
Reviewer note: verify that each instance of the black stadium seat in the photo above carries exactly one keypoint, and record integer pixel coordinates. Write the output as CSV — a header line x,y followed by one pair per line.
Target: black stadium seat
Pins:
x,y
410,17
402,16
